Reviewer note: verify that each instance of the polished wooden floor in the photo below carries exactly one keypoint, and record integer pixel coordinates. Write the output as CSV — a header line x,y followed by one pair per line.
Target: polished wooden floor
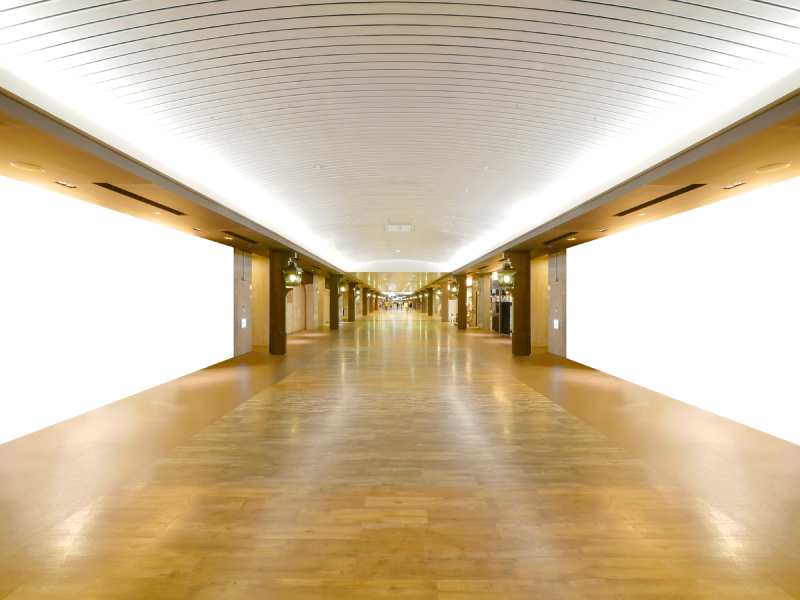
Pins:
x,y
399,461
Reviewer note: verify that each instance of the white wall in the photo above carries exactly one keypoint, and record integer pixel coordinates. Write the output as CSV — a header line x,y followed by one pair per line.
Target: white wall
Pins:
x,y
97,305
703,306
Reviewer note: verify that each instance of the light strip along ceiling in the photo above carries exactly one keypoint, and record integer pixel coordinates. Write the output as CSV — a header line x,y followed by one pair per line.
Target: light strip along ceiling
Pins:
x,y
473,122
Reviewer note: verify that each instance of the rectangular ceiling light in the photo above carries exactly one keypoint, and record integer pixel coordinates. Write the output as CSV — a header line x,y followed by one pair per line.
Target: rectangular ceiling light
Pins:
x,y
683,190
119,190
399,227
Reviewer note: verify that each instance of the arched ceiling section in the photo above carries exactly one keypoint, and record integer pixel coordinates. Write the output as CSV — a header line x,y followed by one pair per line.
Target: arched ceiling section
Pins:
x,y
349,116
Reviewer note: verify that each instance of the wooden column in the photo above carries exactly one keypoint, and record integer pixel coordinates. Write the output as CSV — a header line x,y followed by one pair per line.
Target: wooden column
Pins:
x,y
521,325
277,302
461,280
351,301
445,310
334,300
431,292
364,302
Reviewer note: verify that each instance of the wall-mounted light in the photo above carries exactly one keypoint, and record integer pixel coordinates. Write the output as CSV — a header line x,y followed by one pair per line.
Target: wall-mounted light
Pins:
x,y
342,288
293,274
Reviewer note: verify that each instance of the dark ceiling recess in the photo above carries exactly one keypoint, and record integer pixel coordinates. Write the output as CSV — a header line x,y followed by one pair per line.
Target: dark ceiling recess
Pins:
x,y
316,267
683,190
559,238
241,237
119,190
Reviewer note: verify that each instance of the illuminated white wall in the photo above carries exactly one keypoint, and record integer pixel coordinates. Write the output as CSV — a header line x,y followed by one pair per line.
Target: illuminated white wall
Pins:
x,y
703,307
97,305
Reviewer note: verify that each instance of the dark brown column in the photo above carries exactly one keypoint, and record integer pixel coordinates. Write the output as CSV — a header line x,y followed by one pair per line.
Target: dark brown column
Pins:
x,y
445,302
364,302
461,280
334,300
370,300
431,300
521,326
277,302
351,301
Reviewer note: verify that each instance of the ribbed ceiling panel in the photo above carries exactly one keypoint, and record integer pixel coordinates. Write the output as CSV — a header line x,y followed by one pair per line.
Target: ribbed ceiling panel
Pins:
x,y
439,114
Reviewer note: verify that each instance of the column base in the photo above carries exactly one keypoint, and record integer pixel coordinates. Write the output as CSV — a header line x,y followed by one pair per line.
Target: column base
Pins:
x,y
278,341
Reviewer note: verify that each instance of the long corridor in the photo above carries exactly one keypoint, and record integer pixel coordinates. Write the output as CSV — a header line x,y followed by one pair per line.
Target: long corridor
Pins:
x,y
398,463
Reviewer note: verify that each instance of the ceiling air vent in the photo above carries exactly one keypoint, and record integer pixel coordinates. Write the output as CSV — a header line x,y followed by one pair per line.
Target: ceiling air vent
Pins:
x,y
399,227
683,190
240,237
559,238
119,190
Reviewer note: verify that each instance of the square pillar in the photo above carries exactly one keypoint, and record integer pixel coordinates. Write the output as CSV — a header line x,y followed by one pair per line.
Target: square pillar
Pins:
x,y
521,324
277,303
430,301
445,303
461,280
334,300
351,301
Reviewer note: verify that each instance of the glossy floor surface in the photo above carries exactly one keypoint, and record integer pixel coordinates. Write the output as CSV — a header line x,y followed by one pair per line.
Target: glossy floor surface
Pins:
x,y
403,459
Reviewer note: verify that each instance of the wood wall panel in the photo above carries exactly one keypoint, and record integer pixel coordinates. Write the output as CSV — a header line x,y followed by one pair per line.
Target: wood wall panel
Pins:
x,y
260,301
539,284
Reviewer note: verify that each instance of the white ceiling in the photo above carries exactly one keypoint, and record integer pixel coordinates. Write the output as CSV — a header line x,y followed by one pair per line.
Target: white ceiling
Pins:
x,y
397,281
328,120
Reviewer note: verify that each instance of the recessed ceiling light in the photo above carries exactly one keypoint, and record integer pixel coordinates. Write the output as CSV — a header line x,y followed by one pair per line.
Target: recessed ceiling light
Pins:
x,y
398,250
227,238
733,185
570,239
318,167
485,168
602,230
641,214
197,229
771,168
27,167
65,184
158,213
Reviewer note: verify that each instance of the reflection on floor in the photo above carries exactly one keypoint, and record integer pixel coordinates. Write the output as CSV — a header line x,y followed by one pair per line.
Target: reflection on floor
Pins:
x,y
400,462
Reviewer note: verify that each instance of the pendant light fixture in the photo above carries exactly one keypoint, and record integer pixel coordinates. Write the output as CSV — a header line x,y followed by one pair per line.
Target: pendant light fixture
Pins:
x,y
293,274
506,275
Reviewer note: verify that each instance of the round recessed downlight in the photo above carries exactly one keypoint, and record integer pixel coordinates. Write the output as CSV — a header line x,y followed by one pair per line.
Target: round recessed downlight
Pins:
x,y
771,168
28,167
